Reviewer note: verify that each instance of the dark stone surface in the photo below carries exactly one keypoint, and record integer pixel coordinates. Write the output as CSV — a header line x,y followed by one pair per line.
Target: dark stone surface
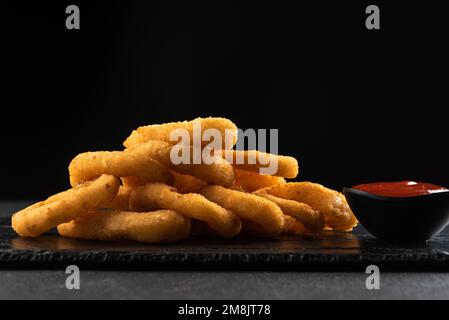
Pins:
x,y
227,283
113,284
332,251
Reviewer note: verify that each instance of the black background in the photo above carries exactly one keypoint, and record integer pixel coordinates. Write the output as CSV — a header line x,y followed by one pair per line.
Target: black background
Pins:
x,y
353,105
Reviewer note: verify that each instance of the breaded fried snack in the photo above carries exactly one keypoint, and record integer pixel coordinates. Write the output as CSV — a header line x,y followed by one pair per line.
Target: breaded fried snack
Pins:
x,y
219,171
162,132
262,162
187,184
160,196
247,206
136,162
330,203
150,227
251,181
64,206
120,200
294,226
310,218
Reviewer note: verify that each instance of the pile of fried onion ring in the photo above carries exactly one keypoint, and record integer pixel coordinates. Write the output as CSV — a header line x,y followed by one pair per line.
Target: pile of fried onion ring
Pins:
x,y
139,194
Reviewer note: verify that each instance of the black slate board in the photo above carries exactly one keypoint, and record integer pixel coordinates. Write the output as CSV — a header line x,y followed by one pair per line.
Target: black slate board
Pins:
x,y
331,251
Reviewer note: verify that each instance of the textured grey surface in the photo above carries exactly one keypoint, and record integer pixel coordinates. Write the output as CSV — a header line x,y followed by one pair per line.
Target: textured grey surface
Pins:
x,y
46,284
221,285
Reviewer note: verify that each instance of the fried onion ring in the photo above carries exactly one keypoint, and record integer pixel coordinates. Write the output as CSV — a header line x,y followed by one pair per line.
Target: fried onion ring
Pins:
x,y
218,172
251,181
64,206
121,199
187,184
248,206
256,161
160,196
310,218
132,182
162,131
134,162
160,226
332,204
293,226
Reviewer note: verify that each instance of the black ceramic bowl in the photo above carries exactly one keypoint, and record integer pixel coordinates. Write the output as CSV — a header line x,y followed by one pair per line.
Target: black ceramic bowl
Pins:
x,y
394,219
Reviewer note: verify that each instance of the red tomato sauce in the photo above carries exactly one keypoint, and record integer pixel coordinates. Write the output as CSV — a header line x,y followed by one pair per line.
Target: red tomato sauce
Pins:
x,y
400,189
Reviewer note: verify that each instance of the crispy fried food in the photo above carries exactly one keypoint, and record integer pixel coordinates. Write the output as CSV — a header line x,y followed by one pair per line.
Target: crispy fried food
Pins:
x,y
310,218
248,206
204,187
227,129
132,182
136,162
330,203
182,182
251,181
187,184
257,161
160,196
150,227
293,226
218,172
64,206
121,199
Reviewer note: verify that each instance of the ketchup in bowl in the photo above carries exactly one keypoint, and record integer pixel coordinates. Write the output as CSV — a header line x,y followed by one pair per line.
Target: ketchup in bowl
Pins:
x,y
400,189
404,211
